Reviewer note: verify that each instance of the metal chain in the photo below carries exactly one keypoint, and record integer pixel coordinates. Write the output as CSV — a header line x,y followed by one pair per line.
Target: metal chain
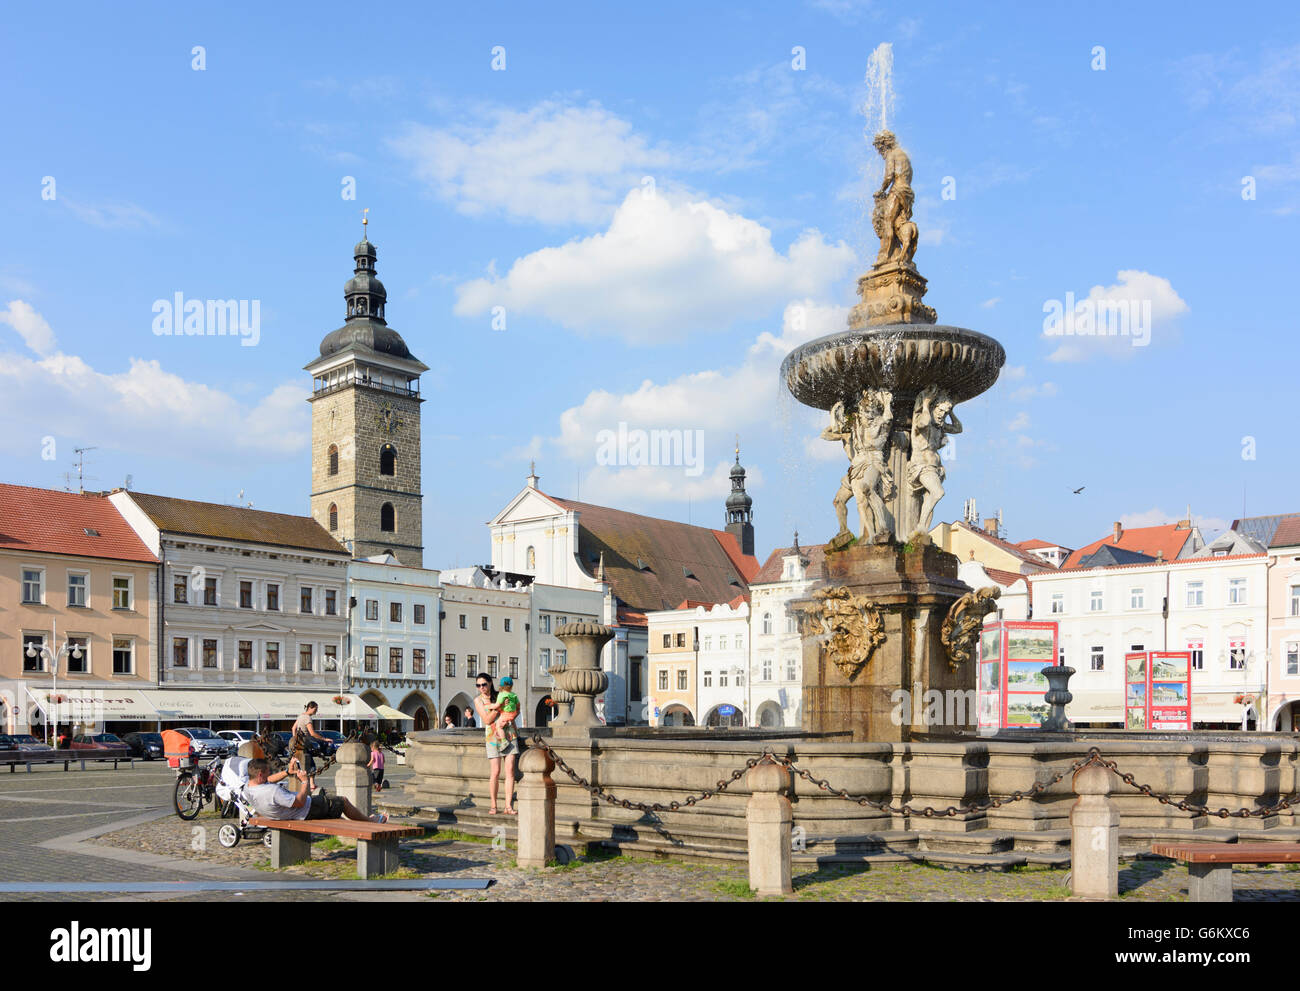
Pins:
x,y
1094,756
722,785
1204,810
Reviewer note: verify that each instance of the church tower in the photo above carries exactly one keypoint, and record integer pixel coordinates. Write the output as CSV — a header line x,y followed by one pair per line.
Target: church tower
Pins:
x,y
740,509
365,427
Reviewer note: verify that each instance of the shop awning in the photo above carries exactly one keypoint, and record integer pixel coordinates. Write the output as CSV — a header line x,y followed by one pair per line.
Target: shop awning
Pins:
x,y
388,712
1219,707
92,705
1096,707
289,705
202,705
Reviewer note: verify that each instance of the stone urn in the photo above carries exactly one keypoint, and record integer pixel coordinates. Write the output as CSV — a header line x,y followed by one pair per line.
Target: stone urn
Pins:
x,y
581,677
1058,696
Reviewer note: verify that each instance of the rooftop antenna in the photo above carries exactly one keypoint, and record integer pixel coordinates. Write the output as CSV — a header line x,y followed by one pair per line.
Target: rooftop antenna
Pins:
x,y
130,481
81,467
67,481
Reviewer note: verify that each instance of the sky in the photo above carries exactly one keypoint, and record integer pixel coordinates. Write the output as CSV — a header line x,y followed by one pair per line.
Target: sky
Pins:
x,y
594,215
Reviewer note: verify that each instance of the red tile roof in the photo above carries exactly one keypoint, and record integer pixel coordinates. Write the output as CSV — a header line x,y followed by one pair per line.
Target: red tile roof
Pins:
x,y
1006,545
1035,544
708,606
53,522
678,561
1287,533
1168,538
1189,561
1004,578
774,566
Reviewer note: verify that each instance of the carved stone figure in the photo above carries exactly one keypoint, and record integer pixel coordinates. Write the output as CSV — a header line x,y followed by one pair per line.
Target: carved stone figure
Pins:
x,y
932,419
965,620
849,627
892,216
865,435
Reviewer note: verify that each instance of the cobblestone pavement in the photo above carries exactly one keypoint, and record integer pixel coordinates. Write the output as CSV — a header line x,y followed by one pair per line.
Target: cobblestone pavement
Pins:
x,y
45,816
602,877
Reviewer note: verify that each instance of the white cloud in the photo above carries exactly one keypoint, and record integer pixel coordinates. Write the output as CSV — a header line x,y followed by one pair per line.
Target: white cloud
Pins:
x,y
988,304
110,216
1013,373
667,267
1046,390
1019,422
31,326
144,409
553,163
1115,321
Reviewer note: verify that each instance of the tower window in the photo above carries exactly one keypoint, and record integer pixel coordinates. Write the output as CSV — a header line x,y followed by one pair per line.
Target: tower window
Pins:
x,y
334,459
334,516
387,518
388,460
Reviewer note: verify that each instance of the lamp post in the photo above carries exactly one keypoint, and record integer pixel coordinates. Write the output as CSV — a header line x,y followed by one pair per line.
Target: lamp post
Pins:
x,y
53,659
346,665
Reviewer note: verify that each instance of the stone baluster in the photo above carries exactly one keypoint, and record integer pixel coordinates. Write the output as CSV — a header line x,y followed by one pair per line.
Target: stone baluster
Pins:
x,y
769,821
352,779
536,805
1094,835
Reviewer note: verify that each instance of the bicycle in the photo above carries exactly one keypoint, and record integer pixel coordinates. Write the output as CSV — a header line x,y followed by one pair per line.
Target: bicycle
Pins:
x,y
196,786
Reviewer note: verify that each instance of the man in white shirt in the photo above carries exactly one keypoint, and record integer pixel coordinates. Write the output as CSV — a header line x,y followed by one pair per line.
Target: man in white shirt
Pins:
x,y
274,801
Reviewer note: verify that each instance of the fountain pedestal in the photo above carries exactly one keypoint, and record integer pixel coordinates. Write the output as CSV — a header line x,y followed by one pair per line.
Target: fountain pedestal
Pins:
x,y
902,593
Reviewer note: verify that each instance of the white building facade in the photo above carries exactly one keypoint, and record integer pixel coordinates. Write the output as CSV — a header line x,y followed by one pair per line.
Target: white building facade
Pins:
x,y
776,651
1216,608
237,612
394,642
722,664
484,628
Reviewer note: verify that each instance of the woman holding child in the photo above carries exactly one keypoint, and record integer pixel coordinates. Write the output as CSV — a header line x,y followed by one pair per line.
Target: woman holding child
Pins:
x,y
497,713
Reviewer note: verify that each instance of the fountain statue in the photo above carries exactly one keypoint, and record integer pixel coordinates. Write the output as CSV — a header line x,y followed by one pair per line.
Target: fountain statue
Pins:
x,y
891,383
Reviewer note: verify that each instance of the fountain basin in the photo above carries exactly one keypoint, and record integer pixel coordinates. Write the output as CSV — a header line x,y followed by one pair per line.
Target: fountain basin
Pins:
x,y
902,357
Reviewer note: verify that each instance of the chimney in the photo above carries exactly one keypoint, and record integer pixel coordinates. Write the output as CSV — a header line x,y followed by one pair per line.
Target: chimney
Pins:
x,y
991,525
1119,528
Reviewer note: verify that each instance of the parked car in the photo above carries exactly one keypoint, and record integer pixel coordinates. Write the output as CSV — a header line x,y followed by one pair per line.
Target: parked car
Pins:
x,y
7,742
99,741
25,741
237,737
336,740
146,746
205,742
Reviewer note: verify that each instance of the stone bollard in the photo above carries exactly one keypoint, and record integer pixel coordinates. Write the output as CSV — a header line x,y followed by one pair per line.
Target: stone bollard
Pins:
x,y
536,806
352,779
769,819
1094,835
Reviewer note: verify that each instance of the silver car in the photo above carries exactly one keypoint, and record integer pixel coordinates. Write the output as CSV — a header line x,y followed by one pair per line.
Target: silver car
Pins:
x,y
206,743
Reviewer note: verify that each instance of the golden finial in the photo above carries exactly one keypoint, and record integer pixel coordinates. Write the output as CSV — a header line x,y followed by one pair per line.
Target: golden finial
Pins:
x,y
364,221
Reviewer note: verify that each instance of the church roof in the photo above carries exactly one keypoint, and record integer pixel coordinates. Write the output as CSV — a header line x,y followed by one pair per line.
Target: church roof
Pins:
x,y
655,564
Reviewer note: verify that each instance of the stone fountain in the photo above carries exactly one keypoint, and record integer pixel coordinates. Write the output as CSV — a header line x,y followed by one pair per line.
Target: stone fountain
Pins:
x,y
893,615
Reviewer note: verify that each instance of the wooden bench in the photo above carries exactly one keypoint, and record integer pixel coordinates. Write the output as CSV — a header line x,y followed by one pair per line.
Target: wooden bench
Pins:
x,y
65,757
376,841
1209,865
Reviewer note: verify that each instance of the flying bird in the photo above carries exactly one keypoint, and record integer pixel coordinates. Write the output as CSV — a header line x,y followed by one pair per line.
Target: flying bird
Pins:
x,y
1080,489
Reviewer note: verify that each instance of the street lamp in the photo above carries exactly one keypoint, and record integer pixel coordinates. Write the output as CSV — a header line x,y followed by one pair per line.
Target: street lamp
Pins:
x,y
53,661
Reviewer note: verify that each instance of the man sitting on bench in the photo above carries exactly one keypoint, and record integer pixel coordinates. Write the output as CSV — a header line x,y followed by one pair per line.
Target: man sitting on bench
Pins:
x,y
274,801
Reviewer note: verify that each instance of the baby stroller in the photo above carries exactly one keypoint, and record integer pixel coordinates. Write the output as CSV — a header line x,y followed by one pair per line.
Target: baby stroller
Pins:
x,y
230,789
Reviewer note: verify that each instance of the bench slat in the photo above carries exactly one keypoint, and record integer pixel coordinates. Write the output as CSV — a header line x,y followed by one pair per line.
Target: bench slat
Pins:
x,y
340,827
1229,853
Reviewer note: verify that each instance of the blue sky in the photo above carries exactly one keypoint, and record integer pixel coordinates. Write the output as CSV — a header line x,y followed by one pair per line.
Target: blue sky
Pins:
x,y
663,205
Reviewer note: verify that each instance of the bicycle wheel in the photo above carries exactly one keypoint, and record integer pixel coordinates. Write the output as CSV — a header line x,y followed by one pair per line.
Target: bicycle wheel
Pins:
x,y
188,799
228,809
